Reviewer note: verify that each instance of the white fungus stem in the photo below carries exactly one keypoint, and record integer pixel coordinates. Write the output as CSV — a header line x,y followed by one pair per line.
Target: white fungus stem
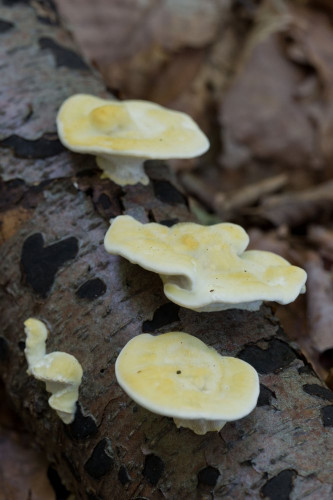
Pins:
x,y
123,170
200,426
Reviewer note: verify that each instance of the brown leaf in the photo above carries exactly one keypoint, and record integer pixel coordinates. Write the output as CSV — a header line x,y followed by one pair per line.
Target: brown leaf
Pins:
x,y
260,117
312,37
23,469
319,304
297,208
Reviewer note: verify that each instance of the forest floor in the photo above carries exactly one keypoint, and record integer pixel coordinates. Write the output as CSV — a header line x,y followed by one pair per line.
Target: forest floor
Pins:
x,y
257,76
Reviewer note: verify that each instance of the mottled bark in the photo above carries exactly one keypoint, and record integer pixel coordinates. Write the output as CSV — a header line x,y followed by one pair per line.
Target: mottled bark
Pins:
x,y
54,214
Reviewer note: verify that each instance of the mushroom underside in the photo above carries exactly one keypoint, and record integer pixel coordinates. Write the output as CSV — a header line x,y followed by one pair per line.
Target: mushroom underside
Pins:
x,y
200,426
123,170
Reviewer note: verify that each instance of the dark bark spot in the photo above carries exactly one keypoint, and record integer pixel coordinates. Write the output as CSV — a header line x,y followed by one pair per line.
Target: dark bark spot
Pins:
x,y
123,475
49,13
88,172
44,147
306,370
21,345
61,492
153,469
167,193
41,264
63,56
326,359
265,396
319,391
72,467
208,476
11,192
14,183
93,496
12,3
327,415
247,463
169,222
164,315
277,356
101,460
91,289
4,350
108,208
83,426
104,201
280,486
5,26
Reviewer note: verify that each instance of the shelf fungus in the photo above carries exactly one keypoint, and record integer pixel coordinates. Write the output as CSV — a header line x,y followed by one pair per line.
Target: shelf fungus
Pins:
x,y
61,372
177,375
122,135
206,268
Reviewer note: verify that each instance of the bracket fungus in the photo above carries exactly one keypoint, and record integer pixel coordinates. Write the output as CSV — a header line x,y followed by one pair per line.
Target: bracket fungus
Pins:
x,y
124,134
206,268
177,375
61,372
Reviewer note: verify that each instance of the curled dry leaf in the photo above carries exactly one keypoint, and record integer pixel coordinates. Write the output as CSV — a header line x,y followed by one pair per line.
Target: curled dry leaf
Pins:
x,y
23,469
229,205
260,117
312,44
319,304
294,209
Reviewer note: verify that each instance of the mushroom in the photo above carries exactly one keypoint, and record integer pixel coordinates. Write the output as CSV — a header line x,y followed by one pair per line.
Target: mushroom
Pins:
x,y
124,134
61,372
206,268
177,375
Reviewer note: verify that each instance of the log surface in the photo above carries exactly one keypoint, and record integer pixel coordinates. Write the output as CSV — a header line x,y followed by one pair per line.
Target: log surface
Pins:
x,y
53,266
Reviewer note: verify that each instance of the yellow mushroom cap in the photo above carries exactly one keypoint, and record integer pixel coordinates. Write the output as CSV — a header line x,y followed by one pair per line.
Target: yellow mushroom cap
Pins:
x,y
36,335
58,367
61,372
177,375
206,268
89,124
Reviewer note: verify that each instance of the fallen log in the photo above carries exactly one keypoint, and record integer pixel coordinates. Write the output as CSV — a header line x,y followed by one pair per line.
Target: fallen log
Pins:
x,y
53,266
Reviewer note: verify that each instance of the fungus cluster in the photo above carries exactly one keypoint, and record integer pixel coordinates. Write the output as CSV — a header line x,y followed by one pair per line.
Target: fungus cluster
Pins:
x,y
177,375
206,268
122,135
61,372
202,268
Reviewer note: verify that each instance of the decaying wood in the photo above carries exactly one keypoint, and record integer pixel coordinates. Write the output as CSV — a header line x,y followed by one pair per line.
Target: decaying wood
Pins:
x,y
54,267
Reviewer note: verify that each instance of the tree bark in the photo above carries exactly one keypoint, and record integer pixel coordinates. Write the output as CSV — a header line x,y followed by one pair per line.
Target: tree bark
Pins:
x,y
54,214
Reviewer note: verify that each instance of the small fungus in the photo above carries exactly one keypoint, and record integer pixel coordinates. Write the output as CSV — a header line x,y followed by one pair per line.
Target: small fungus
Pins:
x,y
207,392
124,134
61,372
206,268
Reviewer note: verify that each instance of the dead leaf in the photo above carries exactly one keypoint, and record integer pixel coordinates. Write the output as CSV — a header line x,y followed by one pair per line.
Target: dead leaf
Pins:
x,y
23,469
260,117
297,208
319,303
